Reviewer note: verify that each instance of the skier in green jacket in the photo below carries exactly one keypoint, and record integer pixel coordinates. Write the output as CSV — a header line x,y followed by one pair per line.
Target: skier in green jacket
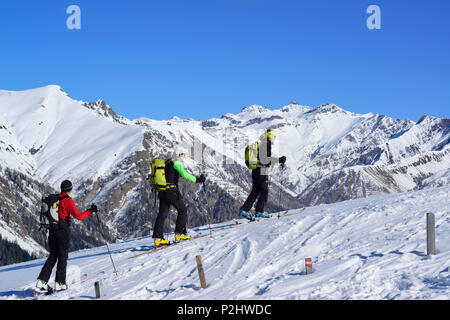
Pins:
x,y
172,197
260,177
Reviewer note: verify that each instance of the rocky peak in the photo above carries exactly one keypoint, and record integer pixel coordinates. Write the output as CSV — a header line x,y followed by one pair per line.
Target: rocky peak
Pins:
x,y
328,108
104,110
254,108
295,107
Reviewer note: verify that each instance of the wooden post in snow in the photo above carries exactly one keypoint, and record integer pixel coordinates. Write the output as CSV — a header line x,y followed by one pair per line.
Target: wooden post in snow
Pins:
x,y
201,273
98,289
431,234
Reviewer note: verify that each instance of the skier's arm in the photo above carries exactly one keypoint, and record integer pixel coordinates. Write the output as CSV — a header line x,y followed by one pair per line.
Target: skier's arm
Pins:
x,y
77,214
179,167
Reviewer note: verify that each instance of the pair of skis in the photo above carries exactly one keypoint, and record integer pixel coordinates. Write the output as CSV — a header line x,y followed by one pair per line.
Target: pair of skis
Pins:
x,y
285,213
226,227
51,291
48,292
171,244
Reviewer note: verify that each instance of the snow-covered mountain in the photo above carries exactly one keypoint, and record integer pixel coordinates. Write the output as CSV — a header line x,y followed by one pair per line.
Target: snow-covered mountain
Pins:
x,y
369,248
51,136
332,155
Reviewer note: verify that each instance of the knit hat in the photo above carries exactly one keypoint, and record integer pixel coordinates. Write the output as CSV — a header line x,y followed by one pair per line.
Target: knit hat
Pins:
x,y
270,133
179,150
66,185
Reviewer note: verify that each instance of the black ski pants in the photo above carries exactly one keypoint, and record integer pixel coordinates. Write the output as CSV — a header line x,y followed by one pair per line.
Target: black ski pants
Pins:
x,y
260,191
58,241
171,197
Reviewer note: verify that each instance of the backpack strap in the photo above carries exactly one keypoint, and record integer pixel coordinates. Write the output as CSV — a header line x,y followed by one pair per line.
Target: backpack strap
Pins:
x,y
62,198
169,184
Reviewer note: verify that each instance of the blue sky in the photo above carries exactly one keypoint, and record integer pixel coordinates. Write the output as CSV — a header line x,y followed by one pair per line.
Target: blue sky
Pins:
x,y
203,58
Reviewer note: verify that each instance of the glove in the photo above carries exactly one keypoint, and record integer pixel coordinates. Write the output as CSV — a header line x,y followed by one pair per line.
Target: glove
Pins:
x,y
93,208
200,179
282,160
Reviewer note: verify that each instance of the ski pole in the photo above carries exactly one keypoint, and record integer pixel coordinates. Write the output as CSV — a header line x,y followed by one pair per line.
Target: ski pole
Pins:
x,y
207,215
207,218
204,186
168,223
281,186
107,246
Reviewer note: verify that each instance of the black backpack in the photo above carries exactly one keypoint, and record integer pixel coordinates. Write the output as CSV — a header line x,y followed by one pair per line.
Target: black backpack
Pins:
x,y
49,211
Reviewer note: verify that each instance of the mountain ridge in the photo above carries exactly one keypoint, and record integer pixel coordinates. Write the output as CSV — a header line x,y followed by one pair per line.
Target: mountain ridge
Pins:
x,y
333,155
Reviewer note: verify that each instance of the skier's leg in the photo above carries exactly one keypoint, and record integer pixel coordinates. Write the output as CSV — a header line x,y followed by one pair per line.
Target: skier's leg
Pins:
x,y
178,203
247,206
263,183
158,230
46,271
63,254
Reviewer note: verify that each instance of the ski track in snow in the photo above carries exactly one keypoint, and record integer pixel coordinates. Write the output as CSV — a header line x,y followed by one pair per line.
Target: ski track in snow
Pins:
x,y
371,248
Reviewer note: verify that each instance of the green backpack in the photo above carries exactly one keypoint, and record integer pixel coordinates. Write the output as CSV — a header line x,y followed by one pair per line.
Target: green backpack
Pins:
x,y
158,175
252,156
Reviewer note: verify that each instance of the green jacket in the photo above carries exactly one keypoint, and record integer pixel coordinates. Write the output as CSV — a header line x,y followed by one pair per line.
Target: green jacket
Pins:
x,y
178,166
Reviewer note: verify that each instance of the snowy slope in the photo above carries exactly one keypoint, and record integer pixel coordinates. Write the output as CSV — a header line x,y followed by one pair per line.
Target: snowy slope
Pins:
x,y
27,243
57,137
371,248
50,137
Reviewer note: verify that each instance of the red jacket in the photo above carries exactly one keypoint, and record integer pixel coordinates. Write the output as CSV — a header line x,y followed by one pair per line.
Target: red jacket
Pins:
x,y
67,207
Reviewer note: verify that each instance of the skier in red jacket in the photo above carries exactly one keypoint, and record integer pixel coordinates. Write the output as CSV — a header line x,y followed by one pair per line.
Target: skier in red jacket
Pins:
x,y
59,239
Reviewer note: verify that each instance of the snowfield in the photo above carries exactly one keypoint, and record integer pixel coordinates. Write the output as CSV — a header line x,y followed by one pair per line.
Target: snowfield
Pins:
x,y
370,248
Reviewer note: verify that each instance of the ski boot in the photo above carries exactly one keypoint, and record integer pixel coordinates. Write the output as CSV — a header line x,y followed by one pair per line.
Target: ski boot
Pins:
x,y
246,215
262,215
59,286
161,242
183,236
42,285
